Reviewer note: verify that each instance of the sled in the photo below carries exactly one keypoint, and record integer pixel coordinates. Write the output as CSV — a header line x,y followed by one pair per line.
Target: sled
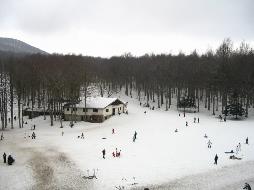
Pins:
x,y
90,176
231,152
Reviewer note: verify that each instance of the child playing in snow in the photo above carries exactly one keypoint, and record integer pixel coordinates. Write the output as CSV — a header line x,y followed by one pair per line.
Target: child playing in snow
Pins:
x,y
209,144
237,149
33,135
239,146
118,154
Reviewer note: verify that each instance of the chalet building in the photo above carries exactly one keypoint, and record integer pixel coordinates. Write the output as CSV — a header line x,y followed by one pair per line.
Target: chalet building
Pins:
x,y
95,110
35,112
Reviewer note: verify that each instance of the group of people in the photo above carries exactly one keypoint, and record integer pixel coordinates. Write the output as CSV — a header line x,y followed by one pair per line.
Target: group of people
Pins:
x,y
10,160
116,153
195,119
238,149
81,136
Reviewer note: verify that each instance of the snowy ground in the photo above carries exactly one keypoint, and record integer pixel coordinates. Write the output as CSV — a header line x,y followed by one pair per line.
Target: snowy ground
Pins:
x,y
159,159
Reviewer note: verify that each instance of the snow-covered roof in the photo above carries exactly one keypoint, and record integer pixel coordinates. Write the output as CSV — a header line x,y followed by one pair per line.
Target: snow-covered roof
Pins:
x,y
97,102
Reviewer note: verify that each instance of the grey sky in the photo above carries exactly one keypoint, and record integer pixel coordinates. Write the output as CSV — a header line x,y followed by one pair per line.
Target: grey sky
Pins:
x,y
113,27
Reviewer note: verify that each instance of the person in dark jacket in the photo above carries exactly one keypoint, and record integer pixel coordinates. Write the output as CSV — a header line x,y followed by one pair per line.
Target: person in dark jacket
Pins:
x,y
247,140
247,186
10,160
4,157
33,135
216,159
103,153
135,136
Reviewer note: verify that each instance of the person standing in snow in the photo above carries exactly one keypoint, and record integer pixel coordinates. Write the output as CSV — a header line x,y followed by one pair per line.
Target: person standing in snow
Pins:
x,y
216,159
186,124
239,146
198,119
113,131
82,135
209,144
195,119
135,136
247,140
2,136
247,186
103,153
4,157
34,127
205,136
33,135
237,149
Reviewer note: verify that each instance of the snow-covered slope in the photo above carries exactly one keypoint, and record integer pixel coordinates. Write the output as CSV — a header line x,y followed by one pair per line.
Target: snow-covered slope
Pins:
x,y
17,46
159,159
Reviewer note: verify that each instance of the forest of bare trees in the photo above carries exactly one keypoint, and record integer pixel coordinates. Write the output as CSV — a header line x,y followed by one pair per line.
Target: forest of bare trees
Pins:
x,y
221,80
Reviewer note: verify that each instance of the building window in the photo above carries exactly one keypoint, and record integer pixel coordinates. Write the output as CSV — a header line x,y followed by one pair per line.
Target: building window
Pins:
x,y
74,109
95,110
120,108
67,109
84,109
107,110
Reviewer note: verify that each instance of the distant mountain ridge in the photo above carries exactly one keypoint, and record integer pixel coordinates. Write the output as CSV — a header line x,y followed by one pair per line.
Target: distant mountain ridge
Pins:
x,y
11,45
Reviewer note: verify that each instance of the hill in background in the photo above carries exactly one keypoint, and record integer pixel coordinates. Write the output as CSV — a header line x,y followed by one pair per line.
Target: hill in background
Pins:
x,y
10,45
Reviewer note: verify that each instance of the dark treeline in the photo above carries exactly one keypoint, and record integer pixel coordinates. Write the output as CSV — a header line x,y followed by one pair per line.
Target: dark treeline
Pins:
x,y
217,79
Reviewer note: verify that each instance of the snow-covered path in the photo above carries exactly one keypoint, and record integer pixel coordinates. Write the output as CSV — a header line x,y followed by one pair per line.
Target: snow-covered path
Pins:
x,y
41,168
227,178
53,170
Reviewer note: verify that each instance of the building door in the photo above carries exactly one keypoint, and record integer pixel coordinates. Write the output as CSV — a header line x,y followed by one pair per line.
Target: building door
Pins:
x,y
114,111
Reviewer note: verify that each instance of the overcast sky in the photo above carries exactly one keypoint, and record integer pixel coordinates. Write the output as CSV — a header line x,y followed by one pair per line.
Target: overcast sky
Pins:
x,y
113,27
